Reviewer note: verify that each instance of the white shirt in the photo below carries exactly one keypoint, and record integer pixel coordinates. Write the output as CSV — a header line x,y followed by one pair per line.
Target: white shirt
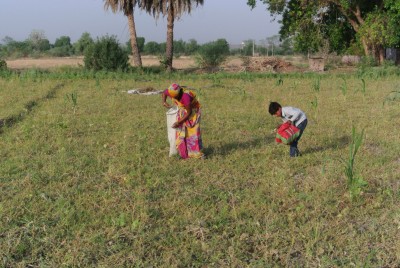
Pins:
x,y
293,114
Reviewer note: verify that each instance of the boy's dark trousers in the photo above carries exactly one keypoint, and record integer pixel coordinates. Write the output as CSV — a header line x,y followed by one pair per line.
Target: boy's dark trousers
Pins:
x,y
293,146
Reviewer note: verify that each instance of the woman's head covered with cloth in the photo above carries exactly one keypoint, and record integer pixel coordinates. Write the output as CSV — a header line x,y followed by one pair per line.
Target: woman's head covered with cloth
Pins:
x,y
174,90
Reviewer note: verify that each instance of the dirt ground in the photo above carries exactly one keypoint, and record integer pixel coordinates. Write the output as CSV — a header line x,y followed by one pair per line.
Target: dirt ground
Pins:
x,y
46,63
233,64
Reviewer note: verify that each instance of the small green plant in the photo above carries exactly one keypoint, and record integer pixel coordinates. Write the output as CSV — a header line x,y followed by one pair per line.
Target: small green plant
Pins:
x,y
363,86
73,99
314,103
314,106
162,59
317,85
279,82
343,87
355,183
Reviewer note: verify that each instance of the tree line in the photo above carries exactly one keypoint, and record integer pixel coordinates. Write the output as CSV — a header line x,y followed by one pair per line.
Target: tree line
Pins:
x,y
37,45
361,27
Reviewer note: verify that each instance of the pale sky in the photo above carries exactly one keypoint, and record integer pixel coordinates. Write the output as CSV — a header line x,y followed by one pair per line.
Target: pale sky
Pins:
x,y
229,19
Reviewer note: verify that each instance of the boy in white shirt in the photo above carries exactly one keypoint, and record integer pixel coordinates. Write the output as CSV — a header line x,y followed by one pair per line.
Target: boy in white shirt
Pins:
x,y
294,116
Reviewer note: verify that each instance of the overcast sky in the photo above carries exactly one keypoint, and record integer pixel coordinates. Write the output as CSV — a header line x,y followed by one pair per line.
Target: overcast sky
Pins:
x,y
229,19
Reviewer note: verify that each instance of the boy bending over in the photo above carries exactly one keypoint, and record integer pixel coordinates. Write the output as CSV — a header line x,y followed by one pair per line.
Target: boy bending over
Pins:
x,y
294,116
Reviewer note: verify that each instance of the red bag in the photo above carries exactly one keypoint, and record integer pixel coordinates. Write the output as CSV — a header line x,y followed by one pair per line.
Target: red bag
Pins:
x,y
287,133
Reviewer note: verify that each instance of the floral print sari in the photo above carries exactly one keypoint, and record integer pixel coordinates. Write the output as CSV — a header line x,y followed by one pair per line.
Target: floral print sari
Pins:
x,y
188,135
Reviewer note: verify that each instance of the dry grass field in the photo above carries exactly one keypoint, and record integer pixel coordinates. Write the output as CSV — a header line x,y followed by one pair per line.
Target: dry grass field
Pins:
x,y
232,64
47,63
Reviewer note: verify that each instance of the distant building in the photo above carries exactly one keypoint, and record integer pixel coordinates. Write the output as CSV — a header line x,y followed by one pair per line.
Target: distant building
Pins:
x,y
393,54
317,64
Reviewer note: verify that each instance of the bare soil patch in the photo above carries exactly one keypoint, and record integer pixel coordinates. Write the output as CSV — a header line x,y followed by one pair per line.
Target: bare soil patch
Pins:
x,y
44,63
233,64
48,63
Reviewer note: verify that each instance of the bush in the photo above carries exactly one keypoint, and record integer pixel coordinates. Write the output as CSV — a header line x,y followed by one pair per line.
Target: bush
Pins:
x,y
213,54
83,42
63,51
367,61
3,65
106,54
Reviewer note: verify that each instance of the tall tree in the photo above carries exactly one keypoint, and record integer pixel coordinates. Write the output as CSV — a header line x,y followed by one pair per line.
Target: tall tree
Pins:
x,y
38,40
353,12
173,9
83,43
127,7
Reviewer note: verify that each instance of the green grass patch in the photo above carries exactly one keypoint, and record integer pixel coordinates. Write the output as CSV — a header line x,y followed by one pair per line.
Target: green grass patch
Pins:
x,y
86,179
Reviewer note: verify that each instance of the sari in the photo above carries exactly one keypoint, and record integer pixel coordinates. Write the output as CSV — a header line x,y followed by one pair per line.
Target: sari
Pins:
x,y
188,135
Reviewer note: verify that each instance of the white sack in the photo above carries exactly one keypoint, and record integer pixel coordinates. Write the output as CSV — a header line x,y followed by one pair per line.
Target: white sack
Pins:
x,y
171,119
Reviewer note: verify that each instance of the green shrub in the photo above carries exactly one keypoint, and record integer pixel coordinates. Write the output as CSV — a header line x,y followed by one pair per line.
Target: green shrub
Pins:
x,y
61,51
213,54
3,65
83,42
106,54
62,47
367,62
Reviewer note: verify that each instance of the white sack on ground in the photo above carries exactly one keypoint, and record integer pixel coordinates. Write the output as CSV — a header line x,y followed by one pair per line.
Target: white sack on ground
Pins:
x,y
137,91
171,119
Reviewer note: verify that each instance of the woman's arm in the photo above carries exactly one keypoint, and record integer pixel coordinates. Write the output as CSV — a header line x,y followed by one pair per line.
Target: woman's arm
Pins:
x,y
164,100
183,119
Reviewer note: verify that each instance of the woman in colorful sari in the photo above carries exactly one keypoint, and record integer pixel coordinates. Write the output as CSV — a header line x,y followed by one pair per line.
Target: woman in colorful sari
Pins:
x,y
187,125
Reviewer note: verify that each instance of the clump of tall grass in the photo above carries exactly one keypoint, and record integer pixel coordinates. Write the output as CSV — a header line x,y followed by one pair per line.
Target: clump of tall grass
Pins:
x,y
369,68
216,80
279,82
73,99
317,85
355,183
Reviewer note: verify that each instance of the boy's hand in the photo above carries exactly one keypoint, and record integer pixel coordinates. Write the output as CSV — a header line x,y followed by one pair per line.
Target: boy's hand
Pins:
x,y
165,104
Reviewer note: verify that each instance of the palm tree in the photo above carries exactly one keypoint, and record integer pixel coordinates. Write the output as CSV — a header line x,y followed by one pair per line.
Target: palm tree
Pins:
x,y
127,6
173,9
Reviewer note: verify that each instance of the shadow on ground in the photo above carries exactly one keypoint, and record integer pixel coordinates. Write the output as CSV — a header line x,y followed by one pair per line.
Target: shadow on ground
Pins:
x,y
336,143
229,148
